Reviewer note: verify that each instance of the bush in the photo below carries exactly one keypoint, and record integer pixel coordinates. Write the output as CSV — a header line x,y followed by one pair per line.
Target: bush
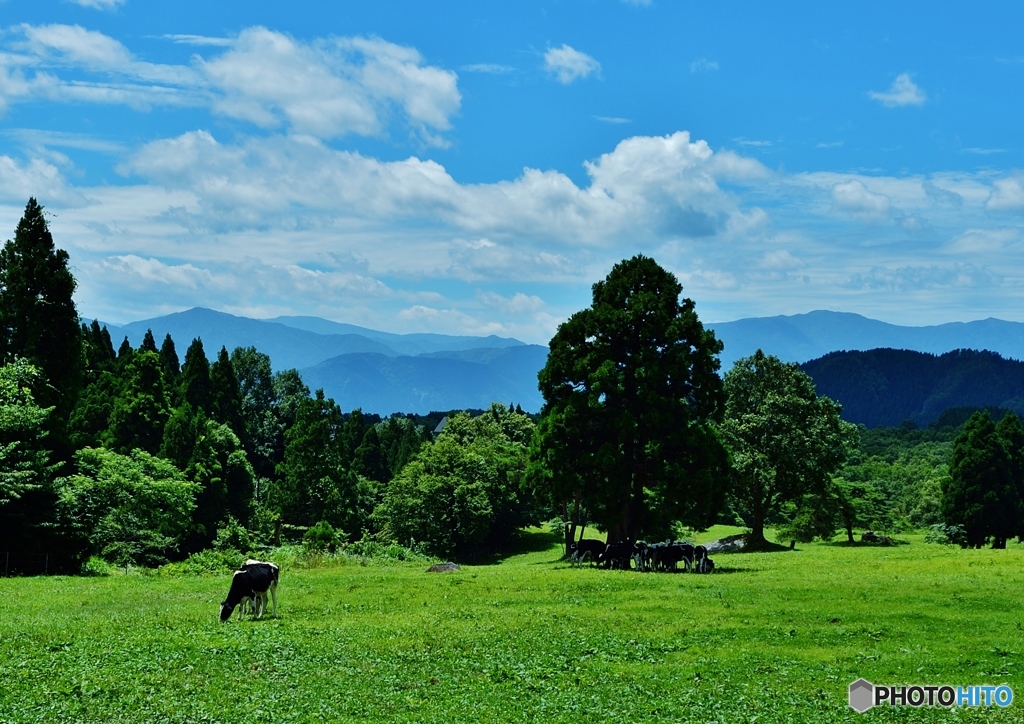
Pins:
x,y
210,560
232,536
96,566
946,535
390,551
321,537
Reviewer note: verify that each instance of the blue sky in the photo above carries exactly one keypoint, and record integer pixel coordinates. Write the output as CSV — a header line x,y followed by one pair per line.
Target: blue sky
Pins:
x,y
469,167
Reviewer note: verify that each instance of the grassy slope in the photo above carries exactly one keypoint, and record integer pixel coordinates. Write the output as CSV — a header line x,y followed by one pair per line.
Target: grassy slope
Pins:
x,y
778,636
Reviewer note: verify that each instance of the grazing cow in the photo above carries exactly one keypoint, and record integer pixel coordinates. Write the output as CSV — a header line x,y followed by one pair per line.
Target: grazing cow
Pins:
x,y
249,587
582,551
701,562
617,555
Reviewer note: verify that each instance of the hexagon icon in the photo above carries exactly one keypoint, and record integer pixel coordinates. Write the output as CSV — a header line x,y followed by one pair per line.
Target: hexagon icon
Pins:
x,y
862,695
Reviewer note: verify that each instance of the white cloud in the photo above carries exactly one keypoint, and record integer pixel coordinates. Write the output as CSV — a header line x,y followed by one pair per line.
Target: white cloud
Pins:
x,y
331,88
902,92
1007,195
780,260
489,68
612,119
923,277
288,224
703,65
39,178
854,198
984,151
651,186
568,64
518,303
200,40
99,4
327,88
985,241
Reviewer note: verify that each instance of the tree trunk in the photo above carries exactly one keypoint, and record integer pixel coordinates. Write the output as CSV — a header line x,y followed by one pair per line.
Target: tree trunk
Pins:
x,y
849,534
757,540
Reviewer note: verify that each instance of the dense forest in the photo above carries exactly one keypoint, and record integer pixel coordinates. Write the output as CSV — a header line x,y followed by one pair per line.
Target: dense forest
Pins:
x,y
885,387
140,456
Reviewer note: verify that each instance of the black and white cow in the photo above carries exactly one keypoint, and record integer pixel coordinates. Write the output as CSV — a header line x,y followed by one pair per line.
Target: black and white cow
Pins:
x,y
249,587
583,550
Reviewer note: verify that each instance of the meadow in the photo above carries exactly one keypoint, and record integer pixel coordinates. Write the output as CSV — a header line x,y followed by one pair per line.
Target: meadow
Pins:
x,y
768,637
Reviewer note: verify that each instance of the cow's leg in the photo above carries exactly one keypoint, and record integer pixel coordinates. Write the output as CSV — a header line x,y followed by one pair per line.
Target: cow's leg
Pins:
x,y
273,594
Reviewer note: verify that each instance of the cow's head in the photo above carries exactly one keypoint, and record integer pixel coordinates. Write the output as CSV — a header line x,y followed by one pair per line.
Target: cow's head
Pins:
x,y
226,611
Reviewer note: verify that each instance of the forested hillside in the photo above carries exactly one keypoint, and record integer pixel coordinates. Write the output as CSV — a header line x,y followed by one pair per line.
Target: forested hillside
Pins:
x,y
884,387
139,455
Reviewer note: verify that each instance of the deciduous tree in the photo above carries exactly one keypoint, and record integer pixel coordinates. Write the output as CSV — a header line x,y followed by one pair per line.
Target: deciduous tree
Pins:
x,y
785,440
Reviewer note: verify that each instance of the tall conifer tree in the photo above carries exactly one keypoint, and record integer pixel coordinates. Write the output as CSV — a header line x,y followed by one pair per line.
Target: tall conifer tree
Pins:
x,y
195,377
148,342
38,319
226,394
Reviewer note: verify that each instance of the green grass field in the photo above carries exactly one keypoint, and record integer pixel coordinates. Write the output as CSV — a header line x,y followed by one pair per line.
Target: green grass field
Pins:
x,y
768,637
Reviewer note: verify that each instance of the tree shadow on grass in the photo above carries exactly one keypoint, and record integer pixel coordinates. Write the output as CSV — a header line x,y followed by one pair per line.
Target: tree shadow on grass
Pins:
x,y
526,541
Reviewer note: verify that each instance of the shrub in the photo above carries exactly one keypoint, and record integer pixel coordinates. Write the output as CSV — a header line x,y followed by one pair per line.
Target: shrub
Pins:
x,y
321,537
232,536
210,560
946,535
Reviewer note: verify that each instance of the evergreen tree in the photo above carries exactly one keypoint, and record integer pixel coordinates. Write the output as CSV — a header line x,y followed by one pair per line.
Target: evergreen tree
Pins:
x,y
183,429
979,493
313,470
226,397
1011,432
631,395
195,377
263,436
369,460
124,353
91,417
38,319
99,352
171,367
351,435
140,411
148,343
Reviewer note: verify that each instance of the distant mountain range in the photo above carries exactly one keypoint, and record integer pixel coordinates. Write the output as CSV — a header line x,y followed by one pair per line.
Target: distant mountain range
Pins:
x,y
379,372
885,387
803,337
384,372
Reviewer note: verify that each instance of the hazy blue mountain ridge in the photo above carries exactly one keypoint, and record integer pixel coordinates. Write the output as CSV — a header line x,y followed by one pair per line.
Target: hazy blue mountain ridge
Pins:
x,y
385,372
288,346
803,337
411,344
438,381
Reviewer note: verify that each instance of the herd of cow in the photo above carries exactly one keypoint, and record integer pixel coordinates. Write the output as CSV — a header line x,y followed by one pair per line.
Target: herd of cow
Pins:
x,y
641,556
256,581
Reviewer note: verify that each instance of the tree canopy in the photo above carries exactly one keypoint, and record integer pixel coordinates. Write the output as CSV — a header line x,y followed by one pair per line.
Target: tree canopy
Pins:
x,y
980,493
785,441
631,395
38,319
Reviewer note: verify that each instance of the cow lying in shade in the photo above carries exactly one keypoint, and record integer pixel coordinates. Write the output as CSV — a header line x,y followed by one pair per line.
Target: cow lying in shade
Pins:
x,y
250,587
